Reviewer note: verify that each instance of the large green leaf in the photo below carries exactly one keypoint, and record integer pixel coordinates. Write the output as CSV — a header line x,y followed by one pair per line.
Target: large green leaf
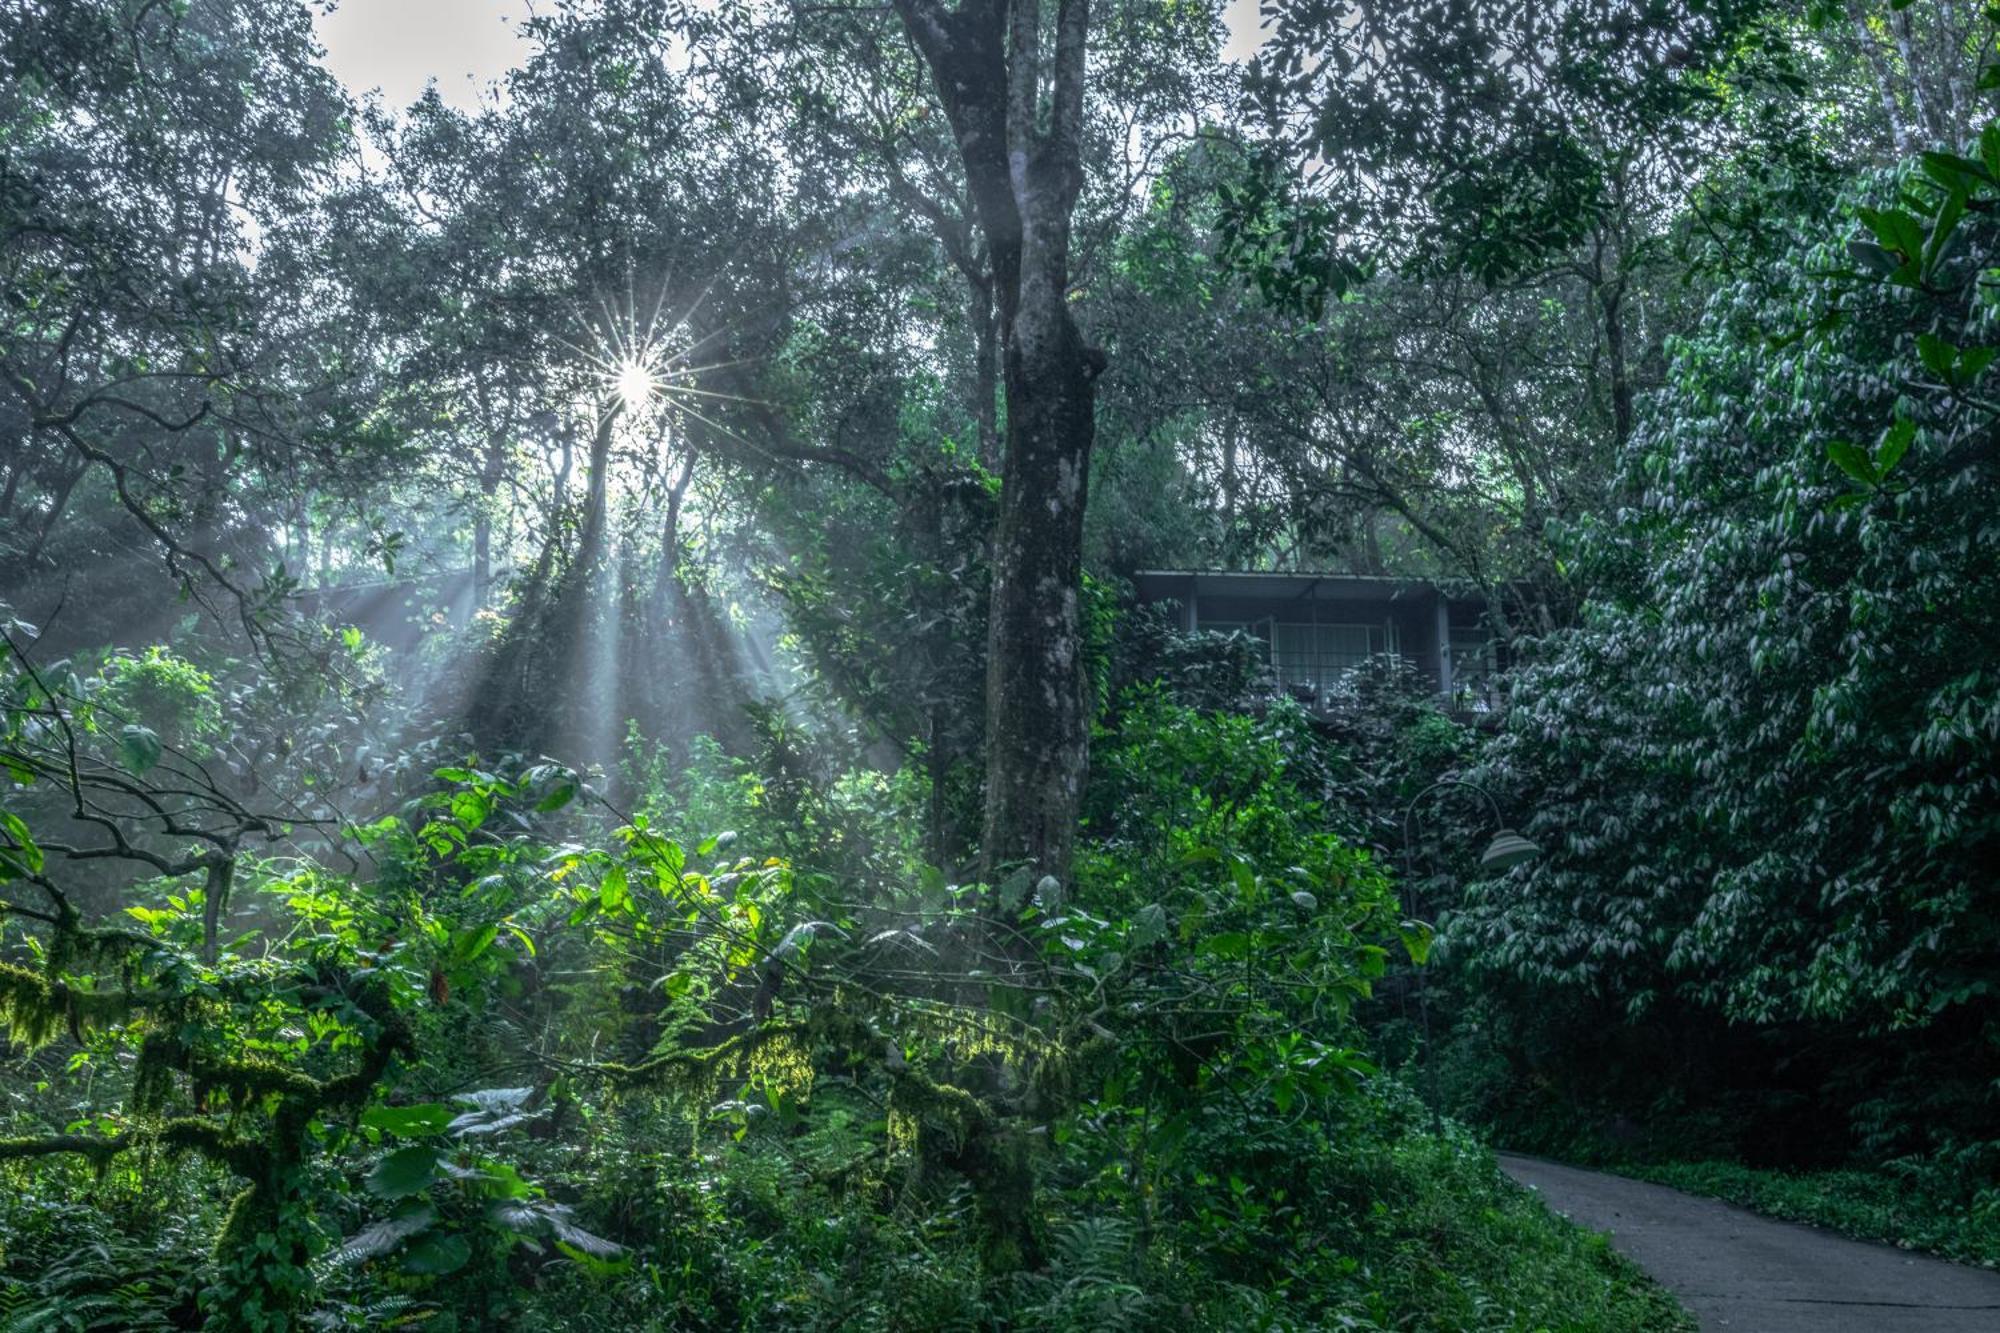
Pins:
x,y
404,1172
494,1109
1149,926
436,1253
408,1122
1850,458
382,1237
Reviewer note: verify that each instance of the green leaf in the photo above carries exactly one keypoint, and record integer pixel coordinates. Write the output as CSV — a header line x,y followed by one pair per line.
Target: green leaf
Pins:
x,y
138,747
1939,357
468,944
1230,944
1952,171
404,1172
435,1254
614,892
1149,926
408,1122
593,1265
494,1109
1874,258
1895,443
558,796
470,807
1942,228
24,852
499,1180
383,1237
1851,460
569,1232
1013,892
1896,229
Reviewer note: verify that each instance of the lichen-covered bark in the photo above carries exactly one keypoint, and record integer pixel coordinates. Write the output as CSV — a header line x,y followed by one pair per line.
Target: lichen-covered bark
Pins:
x,y
1036,687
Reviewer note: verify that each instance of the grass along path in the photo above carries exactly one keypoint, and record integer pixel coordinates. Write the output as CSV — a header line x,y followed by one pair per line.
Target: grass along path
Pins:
x,y
1883,1206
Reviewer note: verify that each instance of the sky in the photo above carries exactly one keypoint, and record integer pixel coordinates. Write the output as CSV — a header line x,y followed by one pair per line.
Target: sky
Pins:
x,y
399,45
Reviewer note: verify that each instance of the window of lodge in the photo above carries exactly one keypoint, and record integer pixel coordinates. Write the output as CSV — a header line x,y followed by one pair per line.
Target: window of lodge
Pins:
x,y
1316,655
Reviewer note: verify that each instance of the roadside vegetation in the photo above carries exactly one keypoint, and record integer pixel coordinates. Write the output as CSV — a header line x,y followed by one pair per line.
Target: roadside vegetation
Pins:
x,y
1912,1208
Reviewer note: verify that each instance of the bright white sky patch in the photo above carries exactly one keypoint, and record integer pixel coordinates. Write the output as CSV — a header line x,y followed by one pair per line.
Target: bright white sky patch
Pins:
x,y
400,45
1244,34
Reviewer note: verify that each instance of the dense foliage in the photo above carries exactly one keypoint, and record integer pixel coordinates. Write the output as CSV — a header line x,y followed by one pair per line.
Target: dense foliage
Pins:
x,y
1763,759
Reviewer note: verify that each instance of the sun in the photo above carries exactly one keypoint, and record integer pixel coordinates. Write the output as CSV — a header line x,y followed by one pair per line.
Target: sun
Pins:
x,y
647,369
635,383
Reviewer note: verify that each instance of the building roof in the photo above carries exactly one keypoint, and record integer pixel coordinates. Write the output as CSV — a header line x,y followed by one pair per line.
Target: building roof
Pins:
x,y
1155,584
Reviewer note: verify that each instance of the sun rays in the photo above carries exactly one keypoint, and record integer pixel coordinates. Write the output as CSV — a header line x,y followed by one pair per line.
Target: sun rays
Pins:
x,y
651,369
653,359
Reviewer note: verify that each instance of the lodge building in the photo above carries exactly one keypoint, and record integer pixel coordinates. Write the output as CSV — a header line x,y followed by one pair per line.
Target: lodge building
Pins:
x,y
1315,629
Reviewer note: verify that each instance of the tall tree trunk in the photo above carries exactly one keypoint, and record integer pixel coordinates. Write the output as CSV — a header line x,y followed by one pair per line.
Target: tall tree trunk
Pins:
x,y
493,470
17,467
985,374
58,502
482,556
670,533
597,489
1231,481
1611,300
1928,123
1037,723
1885,83
1024,171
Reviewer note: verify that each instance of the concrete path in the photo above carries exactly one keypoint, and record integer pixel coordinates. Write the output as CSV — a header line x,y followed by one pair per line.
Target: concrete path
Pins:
x,y
1748,1274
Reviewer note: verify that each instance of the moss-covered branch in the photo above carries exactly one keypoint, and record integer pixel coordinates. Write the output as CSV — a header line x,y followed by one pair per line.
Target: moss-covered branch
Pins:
x,y
99,1151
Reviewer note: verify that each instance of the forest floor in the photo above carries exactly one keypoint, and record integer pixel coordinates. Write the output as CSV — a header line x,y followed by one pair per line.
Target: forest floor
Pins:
x,y
1740,1272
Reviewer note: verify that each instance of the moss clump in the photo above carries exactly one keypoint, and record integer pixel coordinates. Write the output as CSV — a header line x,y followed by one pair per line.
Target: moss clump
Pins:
x,y
696,1072
160,1054
937,1108
30,1006
240,1225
